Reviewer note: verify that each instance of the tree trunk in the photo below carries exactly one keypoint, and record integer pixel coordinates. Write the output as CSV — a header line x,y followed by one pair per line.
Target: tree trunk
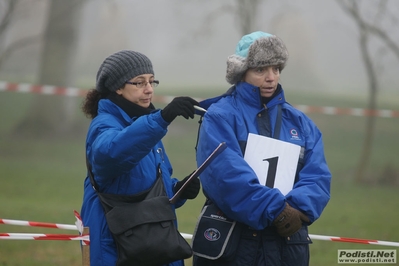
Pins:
x,y
54,114
369,28
247,14
372,104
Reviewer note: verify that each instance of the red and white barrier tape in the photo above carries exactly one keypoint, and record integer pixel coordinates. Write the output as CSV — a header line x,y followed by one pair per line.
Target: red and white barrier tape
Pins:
x,y
73,92
24,236
79,225
86,239
347,111
38,224
41,89
28,236
353,240
336,239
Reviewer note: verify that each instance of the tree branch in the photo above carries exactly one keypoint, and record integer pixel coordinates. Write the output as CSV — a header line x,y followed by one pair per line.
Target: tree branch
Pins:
x,y
26,41
7,16
352,8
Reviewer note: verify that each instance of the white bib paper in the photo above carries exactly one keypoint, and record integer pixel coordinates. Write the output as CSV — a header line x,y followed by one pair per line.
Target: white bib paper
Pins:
x,y
274,161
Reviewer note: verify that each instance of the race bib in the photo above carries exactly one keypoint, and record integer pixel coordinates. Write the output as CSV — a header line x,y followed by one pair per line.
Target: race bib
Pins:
x,y
274,161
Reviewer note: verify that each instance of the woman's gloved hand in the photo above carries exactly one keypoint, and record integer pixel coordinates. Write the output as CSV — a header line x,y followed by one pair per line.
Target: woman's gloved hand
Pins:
x,y
289,221
191,190
183,106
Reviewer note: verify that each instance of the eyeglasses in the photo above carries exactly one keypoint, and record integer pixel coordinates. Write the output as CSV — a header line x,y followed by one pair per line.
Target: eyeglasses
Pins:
x,y
143,84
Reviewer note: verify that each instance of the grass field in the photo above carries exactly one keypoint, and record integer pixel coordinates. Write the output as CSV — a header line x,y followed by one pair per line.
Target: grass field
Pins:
x,y
41,180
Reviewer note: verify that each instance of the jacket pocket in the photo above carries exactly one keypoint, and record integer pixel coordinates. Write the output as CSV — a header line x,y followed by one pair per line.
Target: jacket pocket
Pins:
x,y
296,250
300,237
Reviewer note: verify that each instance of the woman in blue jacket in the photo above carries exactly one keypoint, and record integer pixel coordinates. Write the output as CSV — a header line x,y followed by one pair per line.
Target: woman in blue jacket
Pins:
x,y
124,144
274,225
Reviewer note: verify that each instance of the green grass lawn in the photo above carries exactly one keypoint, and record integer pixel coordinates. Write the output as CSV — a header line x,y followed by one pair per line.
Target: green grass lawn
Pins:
x,y
42,180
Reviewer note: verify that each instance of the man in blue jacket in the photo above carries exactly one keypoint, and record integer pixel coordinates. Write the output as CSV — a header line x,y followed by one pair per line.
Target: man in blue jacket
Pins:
x,y
274,224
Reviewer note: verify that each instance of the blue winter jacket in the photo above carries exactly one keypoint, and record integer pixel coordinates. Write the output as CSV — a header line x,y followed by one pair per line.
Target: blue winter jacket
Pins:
x,y
124,154
232,184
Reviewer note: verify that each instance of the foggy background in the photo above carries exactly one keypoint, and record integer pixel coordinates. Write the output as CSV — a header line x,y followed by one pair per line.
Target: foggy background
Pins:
x,y
63,42
189,41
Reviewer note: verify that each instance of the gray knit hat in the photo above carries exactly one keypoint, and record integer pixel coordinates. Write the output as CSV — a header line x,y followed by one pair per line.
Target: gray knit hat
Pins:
x,y
121,67
258,49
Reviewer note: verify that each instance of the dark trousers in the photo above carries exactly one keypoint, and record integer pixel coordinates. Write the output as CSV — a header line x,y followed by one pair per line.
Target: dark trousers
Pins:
x,y
266,248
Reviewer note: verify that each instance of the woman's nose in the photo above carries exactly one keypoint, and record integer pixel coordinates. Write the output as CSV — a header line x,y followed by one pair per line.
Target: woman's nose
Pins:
x,y
269,75
148,88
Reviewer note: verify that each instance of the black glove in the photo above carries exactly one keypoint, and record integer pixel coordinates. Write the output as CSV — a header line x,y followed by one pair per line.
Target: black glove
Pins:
x,y
183,106
289,221
191,190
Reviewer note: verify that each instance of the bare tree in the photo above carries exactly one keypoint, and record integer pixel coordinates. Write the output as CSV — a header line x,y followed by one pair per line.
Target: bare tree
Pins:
x,y
370,27
14,10
7,11
50,115
7,8
244,12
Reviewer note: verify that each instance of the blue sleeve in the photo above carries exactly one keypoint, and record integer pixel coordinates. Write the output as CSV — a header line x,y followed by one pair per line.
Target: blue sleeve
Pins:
x,y
229,181
311,193
116,149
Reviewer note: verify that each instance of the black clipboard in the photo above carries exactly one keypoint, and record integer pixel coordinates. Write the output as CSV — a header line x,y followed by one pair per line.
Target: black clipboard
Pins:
x,y
222,146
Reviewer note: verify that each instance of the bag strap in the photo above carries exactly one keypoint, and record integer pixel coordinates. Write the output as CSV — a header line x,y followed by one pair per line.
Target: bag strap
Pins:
x,y
199,128
277,127
92,181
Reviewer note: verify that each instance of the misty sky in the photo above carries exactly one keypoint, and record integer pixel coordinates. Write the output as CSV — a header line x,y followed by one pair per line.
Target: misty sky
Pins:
x,y
188,51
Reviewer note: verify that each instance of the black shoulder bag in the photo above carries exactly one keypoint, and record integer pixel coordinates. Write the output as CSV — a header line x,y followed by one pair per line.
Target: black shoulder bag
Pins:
x,y
142,225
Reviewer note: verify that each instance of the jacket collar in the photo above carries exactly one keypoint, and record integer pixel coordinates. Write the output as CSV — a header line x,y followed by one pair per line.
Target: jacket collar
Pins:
x,y
106,106
250,94
132,109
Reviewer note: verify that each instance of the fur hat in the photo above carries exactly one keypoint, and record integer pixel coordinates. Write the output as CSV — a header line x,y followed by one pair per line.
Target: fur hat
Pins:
x,y
121,67
258,49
